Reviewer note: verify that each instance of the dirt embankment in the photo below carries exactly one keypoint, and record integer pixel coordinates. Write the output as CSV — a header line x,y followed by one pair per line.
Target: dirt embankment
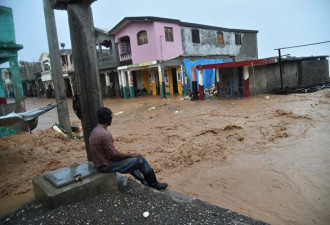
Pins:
x,y
263,157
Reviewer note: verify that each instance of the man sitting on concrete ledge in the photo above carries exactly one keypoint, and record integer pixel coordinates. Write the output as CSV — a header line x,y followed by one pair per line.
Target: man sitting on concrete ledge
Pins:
x,y
107,159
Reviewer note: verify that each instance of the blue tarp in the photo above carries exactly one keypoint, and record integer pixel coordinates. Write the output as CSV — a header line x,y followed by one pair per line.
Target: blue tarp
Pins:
x,y
208,74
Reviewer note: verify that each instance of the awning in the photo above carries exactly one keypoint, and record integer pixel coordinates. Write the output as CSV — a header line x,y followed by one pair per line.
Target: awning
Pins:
x,y
255,62
139,65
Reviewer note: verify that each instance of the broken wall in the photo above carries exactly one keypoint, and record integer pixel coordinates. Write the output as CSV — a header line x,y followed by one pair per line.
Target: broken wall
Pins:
x,y
314,72
295,73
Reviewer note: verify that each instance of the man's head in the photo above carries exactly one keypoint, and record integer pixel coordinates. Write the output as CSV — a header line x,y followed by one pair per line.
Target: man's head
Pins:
x,y
104,116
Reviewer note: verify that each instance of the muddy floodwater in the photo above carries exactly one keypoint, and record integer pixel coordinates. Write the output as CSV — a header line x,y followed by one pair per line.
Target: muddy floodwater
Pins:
x,y
266,156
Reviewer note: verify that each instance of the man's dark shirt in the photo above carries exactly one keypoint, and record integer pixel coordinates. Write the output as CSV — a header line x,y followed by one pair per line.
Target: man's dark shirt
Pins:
x,y
101,146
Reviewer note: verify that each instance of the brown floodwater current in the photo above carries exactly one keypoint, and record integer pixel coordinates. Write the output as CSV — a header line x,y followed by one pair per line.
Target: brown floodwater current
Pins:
x,y
266,156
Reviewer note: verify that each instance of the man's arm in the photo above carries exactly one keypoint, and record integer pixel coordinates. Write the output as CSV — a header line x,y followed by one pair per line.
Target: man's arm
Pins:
x,y
122,155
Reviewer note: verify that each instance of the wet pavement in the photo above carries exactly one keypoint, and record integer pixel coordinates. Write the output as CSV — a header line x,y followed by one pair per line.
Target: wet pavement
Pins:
x,y
133,204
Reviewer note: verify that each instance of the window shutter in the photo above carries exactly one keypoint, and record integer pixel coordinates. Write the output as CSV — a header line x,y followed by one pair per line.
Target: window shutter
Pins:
x,y
220,38
195,36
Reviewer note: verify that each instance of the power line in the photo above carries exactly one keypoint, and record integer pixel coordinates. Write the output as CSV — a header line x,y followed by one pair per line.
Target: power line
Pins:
x,y
303,45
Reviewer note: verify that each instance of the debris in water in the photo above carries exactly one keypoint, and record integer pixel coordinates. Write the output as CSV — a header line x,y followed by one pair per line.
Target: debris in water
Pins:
x,y
118,113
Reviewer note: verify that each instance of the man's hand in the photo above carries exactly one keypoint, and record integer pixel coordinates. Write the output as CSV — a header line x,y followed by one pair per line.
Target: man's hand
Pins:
x,y
135,155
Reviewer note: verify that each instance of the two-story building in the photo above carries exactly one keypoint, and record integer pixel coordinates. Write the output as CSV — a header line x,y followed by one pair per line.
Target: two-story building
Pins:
x,y
108,61
156,54
152,55
67,71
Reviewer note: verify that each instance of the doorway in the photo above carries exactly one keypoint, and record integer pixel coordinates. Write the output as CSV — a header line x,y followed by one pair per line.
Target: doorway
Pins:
x,y
226,83
174,81
241,84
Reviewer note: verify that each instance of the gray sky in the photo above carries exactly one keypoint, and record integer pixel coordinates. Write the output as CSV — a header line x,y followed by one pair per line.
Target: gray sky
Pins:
x,y
280,23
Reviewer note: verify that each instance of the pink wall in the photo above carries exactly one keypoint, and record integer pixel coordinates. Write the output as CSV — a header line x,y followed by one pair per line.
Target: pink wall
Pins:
x,y
156,48
167,50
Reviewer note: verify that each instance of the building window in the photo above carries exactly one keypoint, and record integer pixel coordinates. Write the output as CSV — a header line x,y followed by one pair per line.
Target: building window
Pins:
x,y
125,45
46,65
195,36
238,39
169,34
220,38
142,37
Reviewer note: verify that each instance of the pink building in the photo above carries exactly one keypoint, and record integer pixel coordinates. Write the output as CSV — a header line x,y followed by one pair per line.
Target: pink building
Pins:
x,y
142,40
156,55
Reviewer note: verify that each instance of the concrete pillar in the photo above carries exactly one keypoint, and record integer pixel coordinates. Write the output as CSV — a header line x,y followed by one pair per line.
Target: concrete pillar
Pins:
x,y
130,83
107,79
120,84
194,82
153,83
69,62
100,50
179,80
56,65
184,81
3,99
17,84
107,84
218,80
161,81
246,81
86,68
123,79
201,84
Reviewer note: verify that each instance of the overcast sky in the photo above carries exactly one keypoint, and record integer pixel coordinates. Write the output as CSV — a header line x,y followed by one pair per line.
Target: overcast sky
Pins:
x,y
280,23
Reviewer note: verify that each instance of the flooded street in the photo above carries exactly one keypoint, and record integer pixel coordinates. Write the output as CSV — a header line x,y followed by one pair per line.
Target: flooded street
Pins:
x,y
266,156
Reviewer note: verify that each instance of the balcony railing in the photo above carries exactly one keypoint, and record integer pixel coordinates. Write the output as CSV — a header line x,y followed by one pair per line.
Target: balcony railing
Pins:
x,y
104,61
126,56
107,61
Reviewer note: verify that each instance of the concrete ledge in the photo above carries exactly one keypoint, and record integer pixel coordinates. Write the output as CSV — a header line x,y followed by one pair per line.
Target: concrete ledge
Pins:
x,y
52,197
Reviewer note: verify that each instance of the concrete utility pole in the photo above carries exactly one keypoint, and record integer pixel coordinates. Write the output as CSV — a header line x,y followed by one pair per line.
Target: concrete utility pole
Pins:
x,y
55,61
87,82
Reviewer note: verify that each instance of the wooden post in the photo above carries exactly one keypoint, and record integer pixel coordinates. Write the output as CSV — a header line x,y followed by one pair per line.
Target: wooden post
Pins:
x,y
57,74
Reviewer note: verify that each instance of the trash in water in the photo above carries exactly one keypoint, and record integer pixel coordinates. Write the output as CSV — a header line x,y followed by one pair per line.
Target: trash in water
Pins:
x,y
57,129
152,108
119,113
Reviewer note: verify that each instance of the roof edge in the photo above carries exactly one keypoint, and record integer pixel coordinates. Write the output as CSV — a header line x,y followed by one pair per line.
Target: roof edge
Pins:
x,y
217,28
161,19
